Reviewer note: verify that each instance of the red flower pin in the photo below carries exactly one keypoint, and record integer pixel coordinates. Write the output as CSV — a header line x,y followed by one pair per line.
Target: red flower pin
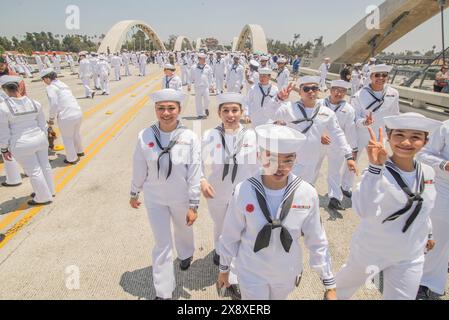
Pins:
x,y
250,208
218,146
151,144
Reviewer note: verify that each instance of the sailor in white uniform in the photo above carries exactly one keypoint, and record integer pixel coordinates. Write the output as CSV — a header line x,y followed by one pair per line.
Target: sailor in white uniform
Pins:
x,y
64,108
372,104
185,68
393,201
252,75
219,72
201,76
12,169
312,118
86,72
116,64
256,99
167,167
235,76
436,155
23,134
357,78
346,119
264,222
103,70
171,80
324,71
283,76
366,71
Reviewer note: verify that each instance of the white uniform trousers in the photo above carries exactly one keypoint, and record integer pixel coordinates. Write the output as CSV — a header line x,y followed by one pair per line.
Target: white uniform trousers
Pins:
x,y
12,172
217,210
161,218
96,79
117,73
219,81
435,267
334,172
202,100
127,71
401,280
323,84
265,292
308,173
71,137
185,75
86,85
34,160
143,70
104,84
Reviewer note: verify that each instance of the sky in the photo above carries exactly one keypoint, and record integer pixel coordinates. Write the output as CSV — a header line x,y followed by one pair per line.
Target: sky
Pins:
x,y
212,18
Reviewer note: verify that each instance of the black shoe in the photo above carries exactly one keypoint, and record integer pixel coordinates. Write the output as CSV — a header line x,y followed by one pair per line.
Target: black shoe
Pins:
x,y
33,203
207,112
93,95
10,185
347,194
34,194
71,163
216,259
336,205
423,293
185,264
234,292
161,299
81,155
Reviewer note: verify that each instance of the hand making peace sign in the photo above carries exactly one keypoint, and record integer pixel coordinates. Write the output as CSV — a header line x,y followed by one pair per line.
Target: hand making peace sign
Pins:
x,y
377,153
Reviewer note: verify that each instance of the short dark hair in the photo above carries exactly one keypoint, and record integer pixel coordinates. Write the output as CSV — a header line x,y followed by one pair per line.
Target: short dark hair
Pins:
x,y
52,76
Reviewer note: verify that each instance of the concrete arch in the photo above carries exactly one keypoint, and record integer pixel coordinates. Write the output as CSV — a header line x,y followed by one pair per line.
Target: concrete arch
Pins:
x,y
234,43
256,34
198,44
179,42
116,37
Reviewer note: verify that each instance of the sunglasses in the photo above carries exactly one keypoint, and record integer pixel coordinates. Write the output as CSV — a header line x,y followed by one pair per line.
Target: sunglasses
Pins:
x,y
381,75
308,89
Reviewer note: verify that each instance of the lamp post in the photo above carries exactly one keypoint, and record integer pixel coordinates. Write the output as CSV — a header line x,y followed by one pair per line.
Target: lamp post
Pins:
x,y
442,5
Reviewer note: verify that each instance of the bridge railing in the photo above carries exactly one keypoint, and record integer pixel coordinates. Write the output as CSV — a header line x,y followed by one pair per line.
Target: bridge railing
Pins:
x,y
415,97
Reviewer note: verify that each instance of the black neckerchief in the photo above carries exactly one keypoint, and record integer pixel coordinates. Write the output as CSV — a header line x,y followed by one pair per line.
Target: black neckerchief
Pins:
x,y
328,104
201,67
412,197
280,72
227,155
234,67
264,236
167,82
311,120
167,150
376,99
264,95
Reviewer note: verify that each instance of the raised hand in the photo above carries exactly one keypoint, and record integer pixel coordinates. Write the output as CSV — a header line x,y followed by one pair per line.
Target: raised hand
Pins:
x,y
284,94
377,153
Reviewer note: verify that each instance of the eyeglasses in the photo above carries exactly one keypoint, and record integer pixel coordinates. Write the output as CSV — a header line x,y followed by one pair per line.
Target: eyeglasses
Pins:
x,y
308,89
381,75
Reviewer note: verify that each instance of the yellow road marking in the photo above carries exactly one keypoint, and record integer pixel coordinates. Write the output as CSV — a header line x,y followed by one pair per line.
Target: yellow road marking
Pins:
x,y
106,137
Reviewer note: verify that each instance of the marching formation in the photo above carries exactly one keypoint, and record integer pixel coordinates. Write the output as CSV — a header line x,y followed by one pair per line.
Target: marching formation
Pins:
x,y
257,169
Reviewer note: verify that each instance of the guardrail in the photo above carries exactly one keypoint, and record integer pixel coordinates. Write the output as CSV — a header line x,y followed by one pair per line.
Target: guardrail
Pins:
x,y
417,98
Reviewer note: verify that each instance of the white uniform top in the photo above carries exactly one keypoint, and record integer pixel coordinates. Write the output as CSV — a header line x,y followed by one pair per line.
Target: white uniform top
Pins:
x,y
325,121
174,82
273,265
214,157
375,199
346,119
183,185
254,77
125,58
235,76
202,78
116,62
256,105
283,79
85,69
103,68
63,104
93,62
143,59
324,70
21,120
362,100
436,155
219,67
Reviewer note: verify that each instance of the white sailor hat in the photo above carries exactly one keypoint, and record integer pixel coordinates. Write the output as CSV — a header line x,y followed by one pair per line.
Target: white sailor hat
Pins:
x,y
279,139
327,59
254,63
358,64
265,71
412,121
219,52
373,59
102,57
46,72
341,84
168,95
202,55
169,66
380,68
264,58
230,97
83,53
282,60
308,79
4,80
